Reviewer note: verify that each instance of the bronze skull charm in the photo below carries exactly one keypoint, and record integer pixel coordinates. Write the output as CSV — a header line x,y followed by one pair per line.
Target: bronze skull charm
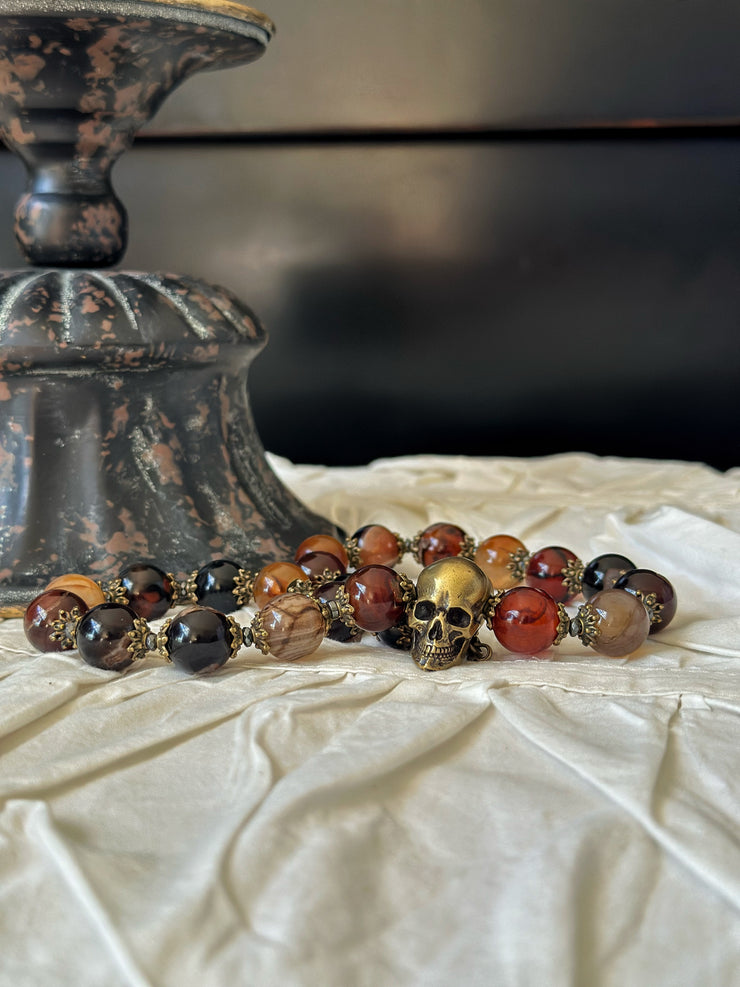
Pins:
x,y
447,612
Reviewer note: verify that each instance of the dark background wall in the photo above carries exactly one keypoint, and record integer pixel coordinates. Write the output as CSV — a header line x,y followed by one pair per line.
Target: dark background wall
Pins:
x,y
497,228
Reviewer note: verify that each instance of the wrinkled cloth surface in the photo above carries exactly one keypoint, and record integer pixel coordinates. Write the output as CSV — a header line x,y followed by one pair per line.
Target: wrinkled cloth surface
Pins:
x,y
351,820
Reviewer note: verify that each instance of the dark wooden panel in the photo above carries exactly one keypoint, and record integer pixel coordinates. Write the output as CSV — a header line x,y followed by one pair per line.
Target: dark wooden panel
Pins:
x,y
515,298
474,63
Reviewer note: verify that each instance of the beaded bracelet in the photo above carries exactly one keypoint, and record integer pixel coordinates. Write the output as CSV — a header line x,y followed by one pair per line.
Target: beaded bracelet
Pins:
x,y
520,596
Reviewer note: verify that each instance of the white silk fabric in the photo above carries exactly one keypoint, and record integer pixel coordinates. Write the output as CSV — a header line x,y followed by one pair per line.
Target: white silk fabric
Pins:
x,y
348,819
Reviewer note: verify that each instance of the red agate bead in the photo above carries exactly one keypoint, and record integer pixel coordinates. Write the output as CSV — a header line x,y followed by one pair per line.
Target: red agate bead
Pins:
x,y
620,622
104,636
41,613
200,640
273,580
294,626
545,571
376,595
322,543
440,541
376,545
149,590
526,620
645,584
494,557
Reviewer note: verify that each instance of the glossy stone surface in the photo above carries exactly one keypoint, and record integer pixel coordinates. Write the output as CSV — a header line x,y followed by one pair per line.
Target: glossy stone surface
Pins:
x,y
645,582
376,596
603,571
493,556
376,545
215,584
544,571
526,621
84,587
43,611
440,541
322,543
622,623
104,634
149,589
199,640
316,563
294,626
398,637
273,580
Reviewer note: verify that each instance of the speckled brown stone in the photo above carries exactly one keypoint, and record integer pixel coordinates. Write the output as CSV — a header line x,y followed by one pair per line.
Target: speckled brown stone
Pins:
x,y
73,92
125,427
126,432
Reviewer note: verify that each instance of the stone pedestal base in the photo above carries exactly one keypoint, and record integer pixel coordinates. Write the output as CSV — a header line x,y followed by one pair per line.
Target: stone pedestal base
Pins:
x,y
126,432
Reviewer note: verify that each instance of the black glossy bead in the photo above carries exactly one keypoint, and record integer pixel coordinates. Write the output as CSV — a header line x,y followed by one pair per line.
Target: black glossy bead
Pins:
x,y
103,636
199,640
603,571
645,583
398,637
215,583
149,589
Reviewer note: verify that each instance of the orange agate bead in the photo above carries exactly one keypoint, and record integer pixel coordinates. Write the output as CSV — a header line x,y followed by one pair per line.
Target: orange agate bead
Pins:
x,y
322,543
273,580
376,545
494,555
84,587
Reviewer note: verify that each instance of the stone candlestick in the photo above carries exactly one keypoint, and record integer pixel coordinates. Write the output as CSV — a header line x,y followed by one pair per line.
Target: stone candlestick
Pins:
x,y
125,430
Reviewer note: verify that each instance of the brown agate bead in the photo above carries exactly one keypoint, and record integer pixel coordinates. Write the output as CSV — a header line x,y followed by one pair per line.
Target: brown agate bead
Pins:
x,y
376,545
644,583
526,620
294,626
376,595
440,541
603,572
273,580
82,586
621,622
104,636
322,543
149,590
494,555
545,572
41,613
317,563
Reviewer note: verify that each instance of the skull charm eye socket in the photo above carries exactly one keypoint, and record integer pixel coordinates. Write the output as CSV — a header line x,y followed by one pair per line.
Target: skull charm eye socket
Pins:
x,y
458,617
450,595
424,610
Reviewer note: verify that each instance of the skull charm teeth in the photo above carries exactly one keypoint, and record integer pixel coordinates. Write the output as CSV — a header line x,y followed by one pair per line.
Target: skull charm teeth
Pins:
x,y
447,612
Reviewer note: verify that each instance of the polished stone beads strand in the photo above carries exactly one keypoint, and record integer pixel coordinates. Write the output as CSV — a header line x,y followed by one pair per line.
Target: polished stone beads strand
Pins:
x,y
303,601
